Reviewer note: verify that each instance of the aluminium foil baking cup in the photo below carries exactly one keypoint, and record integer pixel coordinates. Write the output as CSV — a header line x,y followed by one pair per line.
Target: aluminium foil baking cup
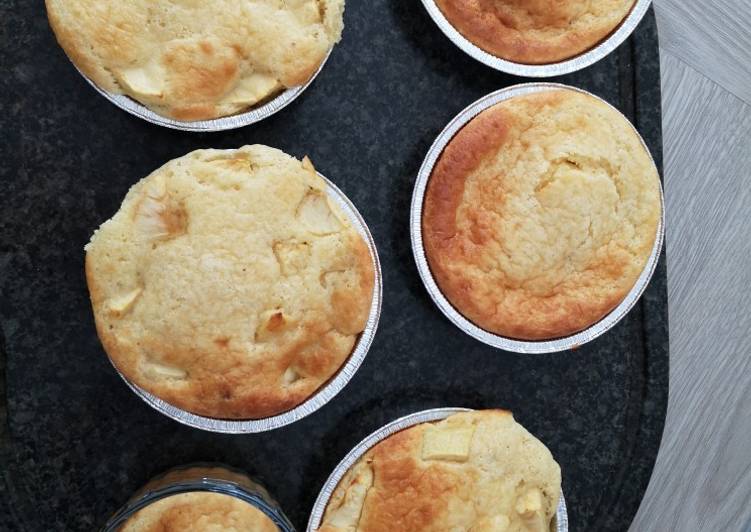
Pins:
x,y
567,66
500,342
426,416
253,115
328,390
198,478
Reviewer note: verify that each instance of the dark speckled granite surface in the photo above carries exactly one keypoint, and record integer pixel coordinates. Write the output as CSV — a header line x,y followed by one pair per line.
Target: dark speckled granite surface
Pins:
x,y
75,442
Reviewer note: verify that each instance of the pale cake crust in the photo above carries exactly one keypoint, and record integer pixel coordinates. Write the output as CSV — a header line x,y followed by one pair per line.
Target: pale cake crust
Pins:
x,y
541,215
535,31
477,471
197,60
199,512
228,285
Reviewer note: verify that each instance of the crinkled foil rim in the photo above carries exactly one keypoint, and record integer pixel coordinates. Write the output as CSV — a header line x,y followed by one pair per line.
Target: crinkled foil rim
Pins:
x,y
325,393
500,342
579,62
426,416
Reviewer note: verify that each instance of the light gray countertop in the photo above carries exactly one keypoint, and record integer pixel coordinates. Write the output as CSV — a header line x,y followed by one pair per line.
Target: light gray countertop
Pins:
x,y
702,480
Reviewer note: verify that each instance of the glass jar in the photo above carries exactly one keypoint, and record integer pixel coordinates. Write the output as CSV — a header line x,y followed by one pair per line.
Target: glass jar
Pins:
x,y
197,478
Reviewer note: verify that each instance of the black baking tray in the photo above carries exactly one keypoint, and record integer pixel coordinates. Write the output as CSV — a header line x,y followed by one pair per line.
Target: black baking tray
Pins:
x,y
75,442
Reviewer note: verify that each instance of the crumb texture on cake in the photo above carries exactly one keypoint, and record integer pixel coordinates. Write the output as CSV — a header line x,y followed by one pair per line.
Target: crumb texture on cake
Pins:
x,y
541,215
228,285
199,512
475,472
196,60
535,31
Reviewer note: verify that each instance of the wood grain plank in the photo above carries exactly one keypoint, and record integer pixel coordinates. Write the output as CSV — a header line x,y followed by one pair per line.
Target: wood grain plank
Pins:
x,y
702,479
714,38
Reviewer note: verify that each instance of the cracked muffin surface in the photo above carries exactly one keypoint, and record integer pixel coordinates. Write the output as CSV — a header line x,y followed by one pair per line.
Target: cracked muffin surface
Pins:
x,y
228,285
199,512
535,31
541,214
476,471
191,60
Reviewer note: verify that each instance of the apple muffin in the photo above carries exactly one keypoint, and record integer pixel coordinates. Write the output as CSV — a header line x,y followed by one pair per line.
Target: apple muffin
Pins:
x,y
541,214
475,471
535,31
199,511
197,60
228,285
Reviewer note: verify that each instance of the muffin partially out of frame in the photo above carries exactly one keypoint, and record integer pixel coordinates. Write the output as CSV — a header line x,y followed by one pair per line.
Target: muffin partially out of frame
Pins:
x,y
474,471
535,31
541,214
197,60
200,511
228,285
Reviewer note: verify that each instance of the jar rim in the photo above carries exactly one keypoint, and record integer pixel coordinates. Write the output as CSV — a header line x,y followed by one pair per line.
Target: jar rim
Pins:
x,y
148,495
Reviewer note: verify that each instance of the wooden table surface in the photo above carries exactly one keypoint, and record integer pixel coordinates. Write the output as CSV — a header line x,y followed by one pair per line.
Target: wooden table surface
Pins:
x,y
702,480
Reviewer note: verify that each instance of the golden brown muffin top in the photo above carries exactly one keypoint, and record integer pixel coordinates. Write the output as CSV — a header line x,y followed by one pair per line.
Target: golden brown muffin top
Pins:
x,y
192,60
535,31
476,471
228,285
541,214
199,512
